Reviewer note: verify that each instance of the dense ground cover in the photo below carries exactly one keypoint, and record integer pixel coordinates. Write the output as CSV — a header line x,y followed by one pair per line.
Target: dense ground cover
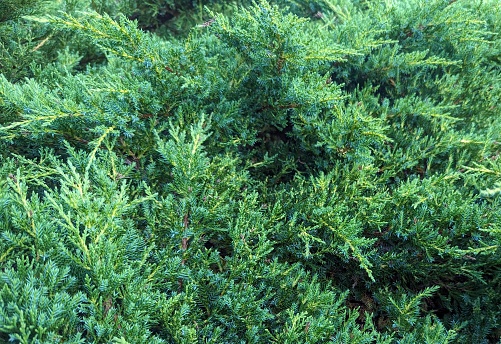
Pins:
x,y
250,172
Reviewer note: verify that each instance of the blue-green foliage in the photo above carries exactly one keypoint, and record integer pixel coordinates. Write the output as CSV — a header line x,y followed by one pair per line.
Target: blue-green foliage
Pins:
x,y
322,172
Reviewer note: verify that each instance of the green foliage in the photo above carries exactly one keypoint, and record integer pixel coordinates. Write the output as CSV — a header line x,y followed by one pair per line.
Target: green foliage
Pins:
x,y
39,301
250,172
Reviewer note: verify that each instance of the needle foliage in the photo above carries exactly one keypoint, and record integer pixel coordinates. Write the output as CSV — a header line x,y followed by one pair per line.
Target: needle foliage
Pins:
x,y
311,171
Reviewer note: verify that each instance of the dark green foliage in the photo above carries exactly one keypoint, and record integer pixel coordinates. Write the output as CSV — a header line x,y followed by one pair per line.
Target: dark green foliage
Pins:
x,y
250,172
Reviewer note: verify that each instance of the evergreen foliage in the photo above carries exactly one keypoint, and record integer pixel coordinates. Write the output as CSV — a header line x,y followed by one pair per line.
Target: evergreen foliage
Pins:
x,y
310,171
